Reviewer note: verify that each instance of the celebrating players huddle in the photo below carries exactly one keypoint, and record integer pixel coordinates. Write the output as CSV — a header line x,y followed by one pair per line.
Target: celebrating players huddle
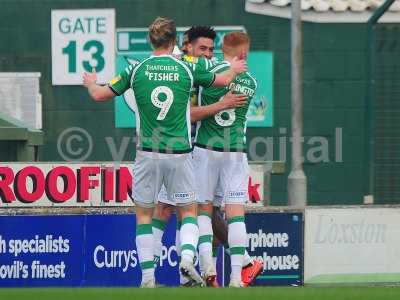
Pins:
x,y
170,173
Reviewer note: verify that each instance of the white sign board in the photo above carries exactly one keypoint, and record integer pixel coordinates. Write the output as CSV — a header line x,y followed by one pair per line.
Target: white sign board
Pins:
x,y
65,185
352,245
78,184
81,40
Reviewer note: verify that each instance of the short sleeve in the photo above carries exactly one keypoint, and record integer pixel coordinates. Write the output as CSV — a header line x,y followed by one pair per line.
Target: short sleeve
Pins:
x,y
121,82
203,78
253,86
199,67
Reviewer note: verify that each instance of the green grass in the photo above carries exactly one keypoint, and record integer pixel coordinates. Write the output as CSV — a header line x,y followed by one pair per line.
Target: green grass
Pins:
x,y
268,293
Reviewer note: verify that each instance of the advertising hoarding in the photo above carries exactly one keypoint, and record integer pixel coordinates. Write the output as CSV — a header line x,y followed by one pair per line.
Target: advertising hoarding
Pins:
x,y
352,245
100,250
82,185
276,238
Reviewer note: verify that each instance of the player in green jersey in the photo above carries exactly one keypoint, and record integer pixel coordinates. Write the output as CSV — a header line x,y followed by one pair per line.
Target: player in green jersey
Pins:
x,y
161,85
220,157
199,46
251,268
198,49
199,42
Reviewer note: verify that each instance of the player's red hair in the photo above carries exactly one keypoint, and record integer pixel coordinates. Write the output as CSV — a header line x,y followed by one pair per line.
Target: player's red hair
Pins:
x,y
234,39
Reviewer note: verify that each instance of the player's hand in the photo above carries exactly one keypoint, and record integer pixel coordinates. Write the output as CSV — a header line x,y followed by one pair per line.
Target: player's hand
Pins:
x,y
231,100
89,78
238,65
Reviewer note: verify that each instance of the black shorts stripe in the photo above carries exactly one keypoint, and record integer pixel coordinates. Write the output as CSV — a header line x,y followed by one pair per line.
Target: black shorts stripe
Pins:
x,y
220,149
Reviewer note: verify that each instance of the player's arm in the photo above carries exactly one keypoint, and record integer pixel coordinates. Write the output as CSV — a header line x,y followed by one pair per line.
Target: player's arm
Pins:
x,y
225,78
96,91
206,78
116,87
230,100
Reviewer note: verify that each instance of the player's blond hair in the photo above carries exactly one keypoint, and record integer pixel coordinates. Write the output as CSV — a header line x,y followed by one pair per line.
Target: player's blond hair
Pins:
x,y
162,32
234,39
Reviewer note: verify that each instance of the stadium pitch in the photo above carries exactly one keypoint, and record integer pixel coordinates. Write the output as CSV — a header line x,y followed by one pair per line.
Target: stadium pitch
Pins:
x,y
270,293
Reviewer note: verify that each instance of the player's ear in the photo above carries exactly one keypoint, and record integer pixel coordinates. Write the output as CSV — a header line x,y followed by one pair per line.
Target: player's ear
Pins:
x,y
189,48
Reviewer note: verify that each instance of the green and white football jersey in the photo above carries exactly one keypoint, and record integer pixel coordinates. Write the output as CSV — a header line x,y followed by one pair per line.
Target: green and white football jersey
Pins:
x,y
226,131
161,86
199,63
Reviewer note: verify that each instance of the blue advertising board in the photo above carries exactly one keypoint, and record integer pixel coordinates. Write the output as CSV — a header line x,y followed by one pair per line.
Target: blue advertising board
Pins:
x,y
276,238
84,250
41,251
100,250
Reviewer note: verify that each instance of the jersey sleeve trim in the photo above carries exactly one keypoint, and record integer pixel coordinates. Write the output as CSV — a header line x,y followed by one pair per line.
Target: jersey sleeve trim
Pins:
x,y
219,67
212,81
186,68
254,80
135,70
113,90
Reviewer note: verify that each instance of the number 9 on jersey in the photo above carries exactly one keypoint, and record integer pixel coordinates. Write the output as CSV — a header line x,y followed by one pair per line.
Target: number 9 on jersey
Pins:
x,y
164,105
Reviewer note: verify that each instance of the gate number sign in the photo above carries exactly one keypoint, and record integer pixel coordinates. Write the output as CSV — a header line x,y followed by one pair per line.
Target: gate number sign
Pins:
x,y
80,41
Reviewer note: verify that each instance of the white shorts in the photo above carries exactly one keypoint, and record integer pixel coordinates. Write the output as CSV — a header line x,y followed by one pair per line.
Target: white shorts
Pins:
x,y
163,196
218,197
223,173
152,170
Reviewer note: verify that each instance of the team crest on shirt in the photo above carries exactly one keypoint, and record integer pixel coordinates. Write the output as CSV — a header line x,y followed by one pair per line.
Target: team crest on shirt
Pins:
x,y
190,59
115,80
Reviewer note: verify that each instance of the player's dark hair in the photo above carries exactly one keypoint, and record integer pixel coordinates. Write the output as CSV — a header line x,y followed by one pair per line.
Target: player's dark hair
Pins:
x,y
185,41
196,32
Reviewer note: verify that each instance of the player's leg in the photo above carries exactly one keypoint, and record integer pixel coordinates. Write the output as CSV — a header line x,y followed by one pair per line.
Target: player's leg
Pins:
x,y
162,213
215,245
145,169
180,184
189,237
183,280
206,166
234,180
207,266
219,224
251,267
237,240
145,244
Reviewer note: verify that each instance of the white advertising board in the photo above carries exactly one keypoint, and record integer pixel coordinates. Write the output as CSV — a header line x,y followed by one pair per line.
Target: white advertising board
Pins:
x,y
65,185
79,184
352,245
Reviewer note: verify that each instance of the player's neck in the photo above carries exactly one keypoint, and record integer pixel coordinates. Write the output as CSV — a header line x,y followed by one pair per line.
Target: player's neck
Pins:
x,y
163,51
228,58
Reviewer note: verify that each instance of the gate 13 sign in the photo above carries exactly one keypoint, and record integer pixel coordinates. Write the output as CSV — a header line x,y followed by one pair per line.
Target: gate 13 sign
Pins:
x,y
82,40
